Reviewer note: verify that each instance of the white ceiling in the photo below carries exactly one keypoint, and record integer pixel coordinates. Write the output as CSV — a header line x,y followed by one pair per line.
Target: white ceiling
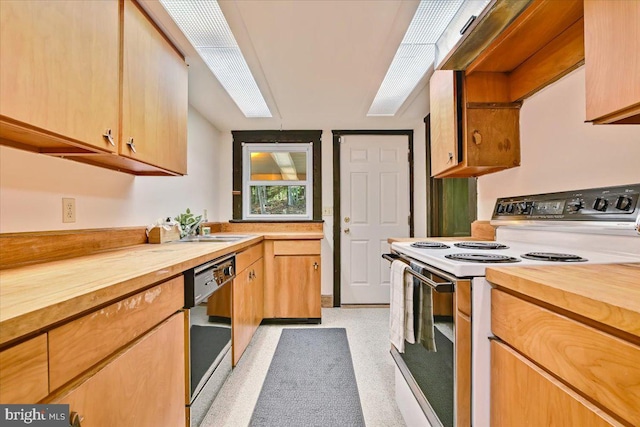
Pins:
x,y
318,63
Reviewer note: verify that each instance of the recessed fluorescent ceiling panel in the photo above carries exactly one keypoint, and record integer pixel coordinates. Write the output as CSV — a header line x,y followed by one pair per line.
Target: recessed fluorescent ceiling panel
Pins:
x,y
204,25
414,56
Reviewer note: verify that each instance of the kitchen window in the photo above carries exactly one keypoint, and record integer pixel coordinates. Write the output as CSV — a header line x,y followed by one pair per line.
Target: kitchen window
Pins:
x,y
277,181
276,175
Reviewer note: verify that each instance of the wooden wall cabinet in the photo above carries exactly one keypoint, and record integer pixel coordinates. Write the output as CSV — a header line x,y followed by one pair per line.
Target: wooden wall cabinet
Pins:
x,y
470,138
612,61
154,92
59,77
62,79
575,373
292,289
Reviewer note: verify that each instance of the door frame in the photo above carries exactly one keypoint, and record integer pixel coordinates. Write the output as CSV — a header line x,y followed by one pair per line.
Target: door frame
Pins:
x,y
435,191
337,231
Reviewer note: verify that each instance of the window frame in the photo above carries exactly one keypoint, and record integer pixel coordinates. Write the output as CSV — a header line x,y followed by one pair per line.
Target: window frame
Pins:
x,y
276,137
247,182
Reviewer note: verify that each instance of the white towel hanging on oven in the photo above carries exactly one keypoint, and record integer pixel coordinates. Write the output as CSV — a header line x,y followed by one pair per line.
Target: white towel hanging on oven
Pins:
x,y
401,306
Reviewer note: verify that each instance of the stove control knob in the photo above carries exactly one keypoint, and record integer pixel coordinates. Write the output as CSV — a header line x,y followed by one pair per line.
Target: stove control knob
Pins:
x,y
522,208
600,204
510,208
623,203
575,205
500,208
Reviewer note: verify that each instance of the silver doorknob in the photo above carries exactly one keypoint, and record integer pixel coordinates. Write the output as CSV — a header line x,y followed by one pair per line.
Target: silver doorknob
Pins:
x,y
347,231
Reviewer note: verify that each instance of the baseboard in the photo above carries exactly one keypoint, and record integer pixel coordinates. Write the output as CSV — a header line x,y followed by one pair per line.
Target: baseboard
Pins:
x,y
326,301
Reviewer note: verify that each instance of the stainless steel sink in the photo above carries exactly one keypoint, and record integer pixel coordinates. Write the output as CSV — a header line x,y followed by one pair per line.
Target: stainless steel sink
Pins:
x,y
216,238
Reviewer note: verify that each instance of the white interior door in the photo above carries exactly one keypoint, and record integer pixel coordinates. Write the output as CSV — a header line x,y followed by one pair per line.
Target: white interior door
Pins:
x,y
374,205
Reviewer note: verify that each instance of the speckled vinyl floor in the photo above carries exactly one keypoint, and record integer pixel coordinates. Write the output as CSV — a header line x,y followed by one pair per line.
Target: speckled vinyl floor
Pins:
x,y
367,331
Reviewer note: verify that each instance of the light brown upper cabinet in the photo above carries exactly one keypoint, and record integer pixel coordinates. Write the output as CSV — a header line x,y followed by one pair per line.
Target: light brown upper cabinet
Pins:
x,y
67,89
612,60
470,137
59,76
154,93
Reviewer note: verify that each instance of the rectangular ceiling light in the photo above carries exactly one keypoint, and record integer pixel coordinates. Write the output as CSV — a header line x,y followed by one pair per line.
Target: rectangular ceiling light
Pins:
x,y
414,56
203,23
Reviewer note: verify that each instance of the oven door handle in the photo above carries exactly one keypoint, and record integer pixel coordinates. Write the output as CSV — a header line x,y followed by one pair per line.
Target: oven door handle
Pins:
x,y
440,287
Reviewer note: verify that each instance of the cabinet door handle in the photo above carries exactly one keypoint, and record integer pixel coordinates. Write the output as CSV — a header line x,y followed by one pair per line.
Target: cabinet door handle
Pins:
x,y
131,145
450,157
315,265
75,420
107,135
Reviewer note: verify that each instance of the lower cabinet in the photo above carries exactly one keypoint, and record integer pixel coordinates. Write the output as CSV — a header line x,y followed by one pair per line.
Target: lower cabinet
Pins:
x,y
24,375
522,394
462,354
293,289
550,368
247,306
142,385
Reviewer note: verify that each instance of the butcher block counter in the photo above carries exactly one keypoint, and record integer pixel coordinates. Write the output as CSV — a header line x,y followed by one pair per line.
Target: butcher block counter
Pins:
x,y
38,296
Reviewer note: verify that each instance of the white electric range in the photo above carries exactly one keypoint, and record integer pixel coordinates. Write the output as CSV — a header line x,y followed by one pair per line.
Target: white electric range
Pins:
x,y
594,226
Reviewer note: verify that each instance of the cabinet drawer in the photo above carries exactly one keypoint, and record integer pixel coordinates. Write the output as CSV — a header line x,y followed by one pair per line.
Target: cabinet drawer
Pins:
x,y
142,385
78,345
523,394
247,257
601,366
23,372
296,247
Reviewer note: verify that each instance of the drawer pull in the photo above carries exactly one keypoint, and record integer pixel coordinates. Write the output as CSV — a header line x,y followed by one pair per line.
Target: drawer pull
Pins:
x,y
107,135
131,145
75,420
315,265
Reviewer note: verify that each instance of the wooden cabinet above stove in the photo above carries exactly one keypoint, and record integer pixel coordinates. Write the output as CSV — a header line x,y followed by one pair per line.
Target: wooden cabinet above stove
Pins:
x,y
470,136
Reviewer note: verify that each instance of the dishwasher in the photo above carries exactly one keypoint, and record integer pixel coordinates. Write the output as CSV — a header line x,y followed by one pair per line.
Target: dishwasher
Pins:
x,y
208,361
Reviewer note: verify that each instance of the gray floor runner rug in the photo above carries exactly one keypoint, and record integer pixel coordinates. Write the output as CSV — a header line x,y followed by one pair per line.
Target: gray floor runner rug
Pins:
x,y
310,382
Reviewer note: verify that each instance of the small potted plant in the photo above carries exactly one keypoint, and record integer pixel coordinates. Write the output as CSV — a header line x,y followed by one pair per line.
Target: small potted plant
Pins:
x,y
188,223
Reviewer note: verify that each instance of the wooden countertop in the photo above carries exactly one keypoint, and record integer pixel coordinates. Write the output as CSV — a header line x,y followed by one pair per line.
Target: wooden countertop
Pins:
x,y
608,294
38,296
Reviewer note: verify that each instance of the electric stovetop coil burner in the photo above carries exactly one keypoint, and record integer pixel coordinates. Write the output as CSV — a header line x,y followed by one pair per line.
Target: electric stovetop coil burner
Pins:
x,y
430,245
481,245
551,256
472,257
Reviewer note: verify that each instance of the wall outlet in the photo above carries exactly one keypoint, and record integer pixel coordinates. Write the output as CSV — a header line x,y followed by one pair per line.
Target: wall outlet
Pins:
x,y
68,210
327,211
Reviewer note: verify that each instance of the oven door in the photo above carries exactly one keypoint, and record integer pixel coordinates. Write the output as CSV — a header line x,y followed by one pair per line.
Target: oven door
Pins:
x,y
438,380
209,358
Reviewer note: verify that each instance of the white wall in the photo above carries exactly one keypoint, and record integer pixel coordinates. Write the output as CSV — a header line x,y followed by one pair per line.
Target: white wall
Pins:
x,y
560,151
32,187
226,208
